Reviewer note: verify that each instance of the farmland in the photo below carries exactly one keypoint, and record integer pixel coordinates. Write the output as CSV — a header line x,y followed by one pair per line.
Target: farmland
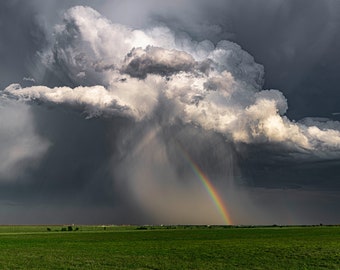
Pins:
x,y
169,247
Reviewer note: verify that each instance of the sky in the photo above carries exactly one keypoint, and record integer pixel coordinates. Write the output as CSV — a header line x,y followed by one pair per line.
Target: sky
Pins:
x,y
169,112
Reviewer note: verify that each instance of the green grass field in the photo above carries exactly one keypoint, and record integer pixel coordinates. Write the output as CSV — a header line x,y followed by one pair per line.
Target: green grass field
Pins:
x,y
175,247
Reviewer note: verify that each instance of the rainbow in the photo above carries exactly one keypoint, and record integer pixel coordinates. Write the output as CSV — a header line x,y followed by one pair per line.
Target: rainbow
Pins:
x,y
215,197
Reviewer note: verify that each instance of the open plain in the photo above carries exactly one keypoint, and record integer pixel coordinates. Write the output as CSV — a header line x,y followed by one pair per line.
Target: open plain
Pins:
x,y
169,247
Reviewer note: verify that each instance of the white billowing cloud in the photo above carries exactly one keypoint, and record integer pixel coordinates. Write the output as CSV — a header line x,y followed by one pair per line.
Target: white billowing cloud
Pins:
x,y
135,99
21,146
104,39
230,56
135,72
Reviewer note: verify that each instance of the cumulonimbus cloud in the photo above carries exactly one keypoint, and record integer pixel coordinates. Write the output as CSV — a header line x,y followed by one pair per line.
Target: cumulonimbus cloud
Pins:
x,y
135,73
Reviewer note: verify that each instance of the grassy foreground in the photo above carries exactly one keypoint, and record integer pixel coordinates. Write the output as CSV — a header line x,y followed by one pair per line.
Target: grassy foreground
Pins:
x,y
181,247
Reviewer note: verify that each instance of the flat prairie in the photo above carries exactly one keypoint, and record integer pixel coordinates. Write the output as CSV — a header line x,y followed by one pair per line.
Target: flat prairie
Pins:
x,y
169,247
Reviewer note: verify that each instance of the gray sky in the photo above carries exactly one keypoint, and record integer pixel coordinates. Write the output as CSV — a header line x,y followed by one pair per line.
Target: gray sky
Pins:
x,y
78,160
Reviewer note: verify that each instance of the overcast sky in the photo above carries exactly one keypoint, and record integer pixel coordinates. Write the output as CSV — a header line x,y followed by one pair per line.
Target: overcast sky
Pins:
x,y
105,106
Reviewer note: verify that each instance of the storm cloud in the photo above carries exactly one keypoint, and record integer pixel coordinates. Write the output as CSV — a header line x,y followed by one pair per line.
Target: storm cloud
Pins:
x,y
130,89
226,97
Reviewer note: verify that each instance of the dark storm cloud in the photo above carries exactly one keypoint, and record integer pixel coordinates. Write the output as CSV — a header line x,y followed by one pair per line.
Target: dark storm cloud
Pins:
x,y
21,145
140,63
74,173
89,161
21,37
300,54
